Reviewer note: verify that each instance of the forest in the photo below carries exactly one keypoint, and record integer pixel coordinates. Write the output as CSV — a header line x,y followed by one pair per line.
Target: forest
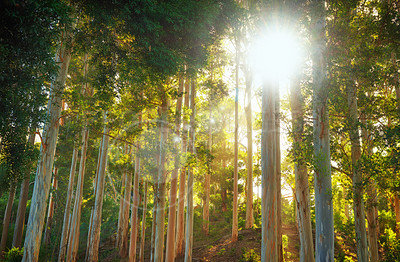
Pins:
x,y
200,130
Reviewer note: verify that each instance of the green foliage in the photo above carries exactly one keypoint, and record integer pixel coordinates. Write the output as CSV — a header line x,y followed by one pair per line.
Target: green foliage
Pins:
x,y
15,254
249,255
391,245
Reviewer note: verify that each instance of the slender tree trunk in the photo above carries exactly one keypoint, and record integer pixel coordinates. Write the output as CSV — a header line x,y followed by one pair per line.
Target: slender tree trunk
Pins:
x,y
180,225
143,232
23,200
249,183
301,177
161,180
123,245
206,206
67,211
358,202
45,164
6,220
269,241
135,205
324,250
396,201
235,161
189,213
153,224
50,212
121,208
278,175
73,237
170,251
98,204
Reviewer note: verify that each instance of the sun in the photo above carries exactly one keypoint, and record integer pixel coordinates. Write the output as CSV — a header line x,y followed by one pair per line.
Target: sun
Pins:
x,y
276,54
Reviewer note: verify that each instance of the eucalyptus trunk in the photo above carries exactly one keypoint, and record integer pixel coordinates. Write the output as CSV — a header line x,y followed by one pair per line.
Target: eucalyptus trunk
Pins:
x,y
236,150
170,250
189,213
50,212
45,163
180,225
23,200
143,231
324,250
161,180
73,236
206,206
6,219
269,238
98,203
278,176
121,210
135,206
301,177
249,183
123,244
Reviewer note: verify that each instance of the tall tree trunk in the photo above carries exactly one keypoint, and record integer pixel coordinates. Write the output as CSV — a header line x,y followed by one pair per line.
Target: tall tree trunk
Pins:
x,y
161,180
45,164
98,203
153,223
135,205
301,177
23,200
358,202
170,250
180,225
67,211
249,183
123,245
143,231
206,206
73,237
278,176
236,150
189,213
121,208
269,241
324,250
6,220
50,212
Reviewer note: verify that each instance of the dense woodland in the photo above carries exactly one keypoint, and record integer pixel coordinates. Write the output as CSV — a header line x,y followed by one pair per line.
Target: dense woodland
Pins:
x,y
144,130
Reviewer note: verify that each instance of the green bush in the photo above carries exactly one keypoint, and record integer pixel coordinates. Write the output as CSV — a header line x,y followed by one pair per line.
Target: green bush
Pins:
x,y
15,254
249,256
391,246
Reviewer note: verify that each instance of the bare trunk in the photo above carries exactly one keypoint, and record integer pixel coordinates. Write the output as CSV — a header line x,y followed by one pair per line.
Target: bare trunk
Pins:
x,y
45,164
98,204
324,250
161,180
153,224
67,211
278,176
236,150
143,232
269,242
123,245
180,225
73,237
50,212
170,250
301,177
121,208
249,183
23,200
206,205
135,205
396,201
6,220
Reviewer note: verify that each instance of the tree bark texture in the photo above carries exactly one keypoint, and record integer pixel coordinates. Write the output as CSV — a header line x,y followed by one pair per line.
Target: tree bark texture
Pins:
x,y
358,202
73,236
207,175
143,231
249,183
135,206
324,250
98,204
170,250
236,150
45,164
301,177
6,220
50,212
180,225
121,210
269,239
67,211
189,213
161,180
278,175
123,245
23,200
